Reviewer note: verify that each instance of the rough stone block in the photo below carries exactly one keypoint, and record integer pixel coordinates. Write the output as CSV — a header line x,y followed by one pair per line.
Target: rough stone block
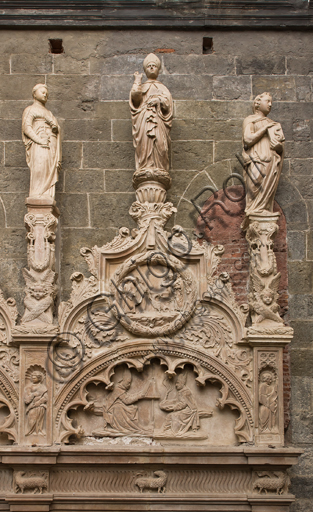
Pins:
x,y
112,110
14,204
14,154
300,276
301,130
185,129
180,183
71,155
4,64
13,109
13,88
122,130
299,149
115,87
27,63
301,166
13,243
296,241
303,334
301,306
310,245
74,209
182,87
14,179
111,210
10,129
120,180
117,65
119,42
194,155
84,87
84,181
300,65
1,153
232,87
186,215
65,65
225,150
296,215
287,193
305,186
212,109
282,88
304,88
254,65
211,64
86,130
109,155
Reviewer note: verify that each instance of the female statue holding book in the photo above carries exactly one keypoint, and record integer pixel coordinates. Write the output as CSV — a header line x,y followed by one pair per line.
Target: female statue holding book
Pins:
x,y
263,154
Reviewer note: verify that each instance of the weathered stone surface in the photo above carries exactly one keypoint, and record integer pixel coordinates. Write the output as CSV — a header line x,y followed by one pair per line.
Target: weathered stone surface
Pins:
x,y
86,130
231,88
10,129
115,87
14,154
75,208
13,88
296,245
301,306
72,153
108,155
301,130
84,181
301,166
300,277
305,186
111,210
14,179
14,204
212,109
225,150
198,87
117,65
26,63
84,87
193,155
282,88
123,178
299,65
122,130
210,64
303,336
184,129
270,65
304,89
65,64
4,64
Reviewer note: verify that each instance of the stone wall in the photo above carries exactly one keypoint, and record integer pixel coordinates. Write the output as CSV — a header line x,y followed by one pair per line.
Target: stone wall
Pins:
x,y
89,86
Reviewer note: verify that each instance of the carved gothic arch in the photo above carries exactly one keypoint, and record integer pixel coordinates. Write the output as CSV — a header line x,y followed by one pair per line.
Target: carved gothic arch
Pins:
x,y
140,353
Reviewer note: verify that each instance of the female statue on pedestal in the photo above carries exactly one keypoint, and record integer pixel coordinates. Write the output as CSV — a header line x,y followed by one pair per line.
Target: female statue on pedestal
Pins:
x,y
151,107
263,153
41,137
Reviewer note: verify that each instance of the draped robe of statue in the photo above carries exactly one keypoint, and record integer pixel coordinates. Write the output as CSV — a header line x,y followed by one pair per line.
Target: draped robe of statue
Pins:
x,y
151,126
184,415
263,165
44,163
268,406
35,397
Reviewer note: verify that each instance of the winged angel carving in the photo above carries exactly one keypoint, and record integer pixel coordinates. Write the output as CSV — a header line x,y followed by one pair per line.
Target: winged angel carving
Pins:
x,y
264,299
40,295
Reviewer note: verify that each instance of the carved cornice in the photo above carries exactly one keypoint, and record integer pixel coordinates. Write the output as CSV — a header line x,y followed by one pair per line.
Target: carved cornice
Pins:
x,y
181,13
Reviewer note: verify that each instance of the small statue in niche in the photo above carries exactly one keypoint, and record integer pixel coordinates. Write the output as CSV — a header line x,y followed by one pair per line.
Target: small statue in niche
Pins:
x,y
265,307
42,140
184,413
263,154
151,108
268,398
35,398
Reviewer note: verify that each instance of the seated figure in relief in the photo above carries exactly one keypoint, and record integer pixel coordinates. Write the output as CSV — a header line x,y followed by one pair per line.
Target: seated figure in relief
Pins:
x,y
184,413
263,153
41,137
151,108
120,414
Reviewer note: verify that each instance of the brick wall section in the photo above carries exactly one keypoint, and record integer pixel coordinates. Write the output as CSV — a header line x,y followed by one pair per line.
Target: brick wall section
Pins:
x,y
89,86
